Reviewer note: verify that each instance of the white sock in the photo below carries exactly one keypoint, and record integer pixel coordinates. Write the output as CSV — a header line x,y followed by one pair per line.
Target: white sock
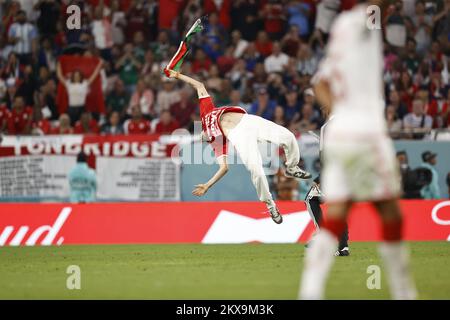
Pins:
x,y
396,260
318,261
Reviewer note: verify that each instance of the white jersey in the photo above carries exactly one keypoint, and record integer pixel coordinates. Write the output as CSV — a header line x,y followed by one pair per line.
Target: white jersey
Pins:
x,y
353,67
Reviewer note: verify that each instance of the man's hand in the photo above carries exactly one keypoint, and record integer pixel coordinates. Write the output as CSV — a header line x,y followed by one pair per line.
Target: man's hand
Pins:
x,y
171,73
200,190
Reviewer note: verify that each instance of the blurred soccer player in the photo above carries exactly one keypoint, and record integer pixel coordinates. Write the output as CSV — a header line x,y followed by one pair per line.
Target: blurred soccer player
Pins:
x,y
359,160
232,123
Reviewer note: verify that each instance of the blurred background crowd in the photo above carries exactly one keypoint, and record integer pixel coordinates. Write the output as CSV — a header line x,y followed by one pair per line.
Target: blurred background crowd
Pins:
x,y
257,54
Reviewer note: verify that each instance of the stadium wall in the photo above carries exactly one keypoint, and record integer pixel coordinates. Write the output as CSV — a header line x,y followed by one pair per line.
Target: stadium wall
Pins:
x,y
208,223
236,185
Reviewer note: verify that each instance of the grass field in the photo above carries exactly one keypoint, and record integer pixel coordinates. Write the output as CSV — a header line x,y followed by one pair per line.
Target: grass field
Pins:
x,y
253,271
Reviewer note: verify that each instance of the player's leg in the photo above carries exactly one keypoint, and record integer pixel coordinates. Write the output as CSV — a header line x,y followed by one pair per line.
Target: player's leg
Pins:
x,y
244,140
272,132
393,252
320,257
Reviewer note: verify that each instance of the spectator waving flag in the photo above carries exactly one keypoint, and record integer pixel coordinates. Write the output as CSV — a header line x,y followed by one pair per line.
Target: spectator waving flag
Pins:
x,y
177,60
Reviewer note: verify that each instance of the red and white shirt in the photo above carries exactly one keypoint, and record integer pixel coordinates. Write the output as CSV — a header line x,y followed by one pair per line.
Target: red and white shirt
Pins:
x,y
141,126
211,124
18,121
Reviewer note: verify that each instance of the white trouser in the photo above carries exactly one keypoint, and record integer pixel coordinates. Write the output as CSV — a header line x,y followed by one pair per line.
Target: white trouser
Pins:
x,y
245,137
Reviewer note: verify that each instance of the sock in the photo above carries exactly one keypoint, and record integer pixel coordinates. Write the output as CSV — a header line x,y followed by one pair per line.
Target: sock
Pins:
x,y
335,225
318,261
396,260
392,230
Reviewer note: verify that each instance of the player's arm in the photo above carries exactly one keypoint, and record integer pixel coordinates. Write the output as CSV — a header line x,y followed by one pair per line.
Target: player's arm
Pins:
x,y
200,87
201,189
324,97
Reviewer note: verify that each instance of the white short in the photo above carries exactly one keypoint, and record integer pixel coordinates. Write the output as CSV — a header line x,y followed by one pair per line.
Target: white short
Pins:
x,y
360,169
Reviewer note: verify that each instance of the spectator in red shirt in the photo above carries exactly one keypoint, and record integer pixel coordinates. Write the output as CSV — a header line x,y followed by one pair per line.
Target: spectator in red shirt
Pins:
x,y
137,124
182,110
273,19
4,116
40,126
222,8
166,124
21,116
64,126
137,18
263,44
86,125
201,62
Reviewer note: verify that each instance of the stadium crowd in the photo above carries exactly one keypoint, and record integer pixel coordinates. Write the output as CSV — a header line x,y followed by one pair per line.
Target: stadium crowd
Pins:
x,y
257,54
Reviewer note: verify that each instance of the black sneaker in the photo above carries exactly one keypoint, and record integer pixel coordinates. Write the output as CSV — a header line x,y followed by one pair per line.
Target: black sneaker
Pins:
x,y
297,172
275,214
344,252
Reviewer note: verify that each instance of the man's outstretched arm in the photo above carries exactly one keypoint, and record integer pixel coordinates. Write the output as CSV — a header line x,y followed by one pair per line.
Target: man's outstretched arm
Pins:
x,y
201,189
200,87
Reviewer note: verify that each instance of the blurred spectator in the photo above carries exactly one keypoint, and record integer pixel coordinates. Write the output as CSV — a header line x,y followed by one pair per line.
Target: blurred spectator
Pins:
x,y
46,99
291,41
423,22
263,106
396,26
166,124
394,123
239,44
143,98
396,104
77,90
118,99
306,62
128,67
183,109
273,15
417,120
137,124
82,181
63,126
430,191
101,29
201,62
214,81
20,118
277,61
263,44
47,55
40,125
27,86
299,13
309,118
278,116
292,105
219,8
86,125
412,180
23,36
118,22
137,18
4,116
113,126
168,95
49,11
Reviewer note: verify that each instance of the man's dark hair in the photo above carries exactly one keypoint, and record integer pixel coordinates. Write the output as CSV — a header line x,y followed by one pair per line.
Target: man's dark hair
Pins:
x,y
81,157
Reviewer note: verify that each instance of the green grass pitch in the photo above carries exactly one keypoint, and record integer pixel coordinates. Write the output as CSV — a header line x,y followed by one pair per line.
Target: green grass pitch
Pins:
x,y
251,271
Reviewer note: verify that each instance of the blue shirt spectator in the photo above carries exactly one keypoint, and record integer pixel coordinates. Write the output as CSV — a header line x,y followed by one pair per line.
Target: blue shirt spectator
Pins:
x,y
263,106
298,16
82,181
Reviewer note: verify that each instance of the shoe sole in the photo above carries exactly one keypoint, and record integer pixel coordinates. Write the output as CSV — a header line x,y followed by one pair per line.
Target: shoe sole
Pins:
x,y
302,178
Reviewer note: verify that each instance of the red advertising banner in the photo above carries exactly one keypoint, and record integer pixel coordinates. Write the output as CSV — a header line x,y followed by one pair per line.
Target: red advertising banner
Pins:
x,y
214,222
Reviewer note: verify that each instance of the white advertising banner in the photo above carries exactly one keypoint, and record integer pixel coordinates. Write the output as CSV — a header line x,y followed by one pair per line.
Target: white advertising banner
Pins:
x,y
138,179
35,176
